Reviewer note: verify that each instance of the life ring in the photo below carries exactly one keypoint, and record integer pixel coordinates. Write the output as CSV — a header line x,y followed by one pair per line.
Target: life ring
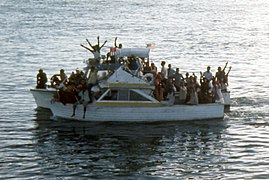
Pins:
x,y
149,78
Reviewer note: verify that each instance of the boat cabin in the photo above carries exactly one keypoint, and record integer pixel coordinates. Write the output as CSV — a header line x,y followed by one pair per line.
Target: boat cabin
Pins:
x,y
126,96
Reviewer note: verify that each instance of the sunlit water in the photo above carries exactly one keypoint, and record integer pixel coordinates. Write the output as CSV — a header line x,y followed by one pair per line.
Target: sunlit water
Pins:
x,y
188,34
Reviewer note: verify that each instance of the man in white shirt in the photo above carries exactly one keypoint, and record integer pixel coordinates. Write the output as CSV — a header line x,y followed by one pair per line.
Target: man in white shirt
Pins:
x,y
170,72
178,78
207,74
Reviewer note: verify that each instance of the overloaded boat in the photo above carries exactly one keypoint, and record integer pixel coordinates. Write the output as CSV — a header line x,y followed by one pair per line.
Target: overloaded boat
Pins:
x,y
43,96
129,98
125,94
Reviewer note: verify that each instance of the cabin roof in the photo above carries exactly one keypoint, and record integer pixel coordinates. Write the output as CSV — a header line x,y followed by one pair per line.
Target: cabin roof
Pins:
x,y
123,78
128,52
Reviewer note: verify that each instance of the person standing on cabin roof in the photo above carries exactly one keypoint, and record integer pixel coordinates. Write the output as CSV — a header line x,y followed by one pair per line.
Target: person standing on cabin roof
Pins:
x,y
95,49
115,44
41,79
112,53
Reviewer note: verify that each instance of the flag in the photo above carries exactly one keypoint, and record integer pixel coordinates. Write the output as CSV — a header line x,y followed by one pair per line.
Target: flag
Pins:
x,y
112,49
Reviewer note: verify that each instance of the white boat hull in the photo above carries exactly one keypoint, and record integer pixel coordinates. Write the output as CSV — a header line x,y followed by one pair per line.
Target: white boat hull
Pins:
x,y
139,114
43,97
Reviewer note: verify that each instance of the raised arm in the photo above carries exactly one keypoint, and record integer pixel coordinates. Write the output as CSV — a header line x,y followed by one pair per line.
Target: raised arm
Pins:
x,y
229,70
86,48
98,41
102,45
89,43
225,66
115,42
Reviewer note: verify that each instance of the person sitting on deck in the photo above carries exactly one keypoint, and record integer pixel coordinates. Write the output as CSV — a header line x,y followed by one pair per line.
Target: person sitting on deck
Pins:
x,y
55,81
72,79
78,77
83,98
67,95
41,79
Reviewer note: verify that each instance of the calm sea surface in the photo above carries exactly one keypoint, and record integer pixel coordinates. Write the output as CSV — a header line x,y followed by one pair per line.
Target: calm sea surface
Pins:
x,y
189,34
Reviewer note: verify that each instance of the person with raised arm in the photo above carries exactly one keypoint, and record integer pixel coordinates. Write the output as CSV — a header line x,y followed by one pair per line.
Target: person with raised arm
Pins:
x,y
95,49
115,43
221,73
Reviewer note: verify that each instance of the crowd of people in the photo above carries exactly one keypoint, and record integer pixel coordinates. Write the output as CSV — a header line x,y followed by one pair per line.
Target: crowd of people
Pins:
x,y
188,89
169,83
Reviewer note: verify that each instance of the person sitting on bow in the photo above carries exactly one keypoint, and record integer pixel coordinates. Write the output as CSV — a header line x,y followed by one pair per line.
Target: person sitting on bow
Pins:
x,y
41,79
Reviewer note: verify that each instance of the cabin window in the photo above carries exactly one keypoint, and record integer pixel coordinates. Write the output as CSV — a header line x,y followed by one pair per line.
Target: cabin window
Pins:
x,y
137,97
124,95
111,96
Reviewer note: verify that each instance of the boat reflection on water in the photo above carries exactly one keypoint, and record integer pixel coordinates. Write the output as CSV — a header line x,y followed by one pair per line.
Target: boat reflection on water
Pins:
x,y
89,149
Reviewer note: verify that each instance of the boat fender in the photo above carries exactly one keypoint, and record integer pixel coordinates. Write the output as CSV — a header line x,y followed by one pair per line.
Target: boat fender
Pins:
x,y
149,78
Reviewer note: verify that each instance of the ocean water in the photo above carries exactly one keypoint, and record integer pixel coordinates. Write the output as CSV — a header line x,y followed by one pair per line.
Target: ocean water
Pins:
x,y
189,34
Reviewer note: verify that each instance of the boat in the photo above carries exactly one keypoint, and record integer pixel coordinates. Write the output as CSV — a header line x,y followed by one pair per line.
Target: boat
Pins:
x,y
128,98
132,85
